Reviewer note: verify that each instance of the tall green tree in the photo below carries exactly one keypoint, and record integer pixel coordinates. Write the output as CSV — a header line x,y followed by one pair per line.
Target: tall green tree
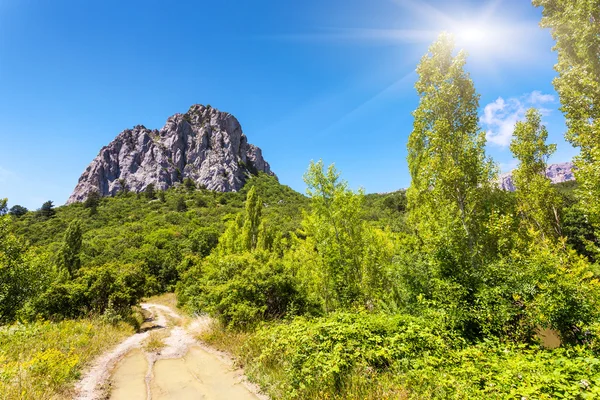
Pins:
x,y
249,231
69,254
231,242
336,226
149,192
252,219
538,201
17,211
3,206
47,209
446,157
575,25
92,202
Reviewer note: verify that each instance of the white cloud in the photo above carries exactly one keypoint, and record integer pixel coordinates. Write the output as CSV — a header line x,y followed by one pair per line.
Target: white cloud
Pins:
x,y
537,97
500,117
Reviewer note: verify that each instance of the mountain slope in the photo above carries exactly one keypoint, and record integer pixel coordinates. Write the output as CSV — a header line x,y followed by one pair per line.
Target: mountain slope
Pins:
x,y
204,144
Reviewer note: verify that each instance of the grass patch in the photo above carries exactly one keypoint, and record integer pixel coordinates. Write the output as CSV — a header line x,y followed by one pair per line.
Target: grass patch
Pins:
x,y
166,299
42,360
155,340
218,337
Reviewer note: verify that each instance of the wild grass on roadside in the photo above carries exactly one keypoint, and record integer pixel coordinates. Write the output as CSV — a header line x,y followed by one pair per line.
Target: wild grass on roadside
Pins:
x,y
42,360
155,340
222,339
166,299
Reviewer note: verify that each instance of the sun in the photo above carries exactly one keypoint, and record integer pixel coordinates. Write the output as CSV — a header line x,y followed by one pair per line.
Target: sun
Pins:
x,y
472,35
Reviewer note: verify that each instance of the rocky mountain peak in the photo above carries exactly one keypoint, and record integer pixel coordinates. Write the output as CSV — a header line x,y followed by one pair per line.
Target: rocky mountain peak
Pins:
x,y
204,144
557,173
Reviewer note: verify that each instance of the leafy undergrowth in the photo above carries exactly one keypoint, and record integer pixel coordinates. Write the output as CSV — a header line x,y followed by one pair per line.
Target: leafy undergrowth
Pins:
x,y
498,371
362,356
42,360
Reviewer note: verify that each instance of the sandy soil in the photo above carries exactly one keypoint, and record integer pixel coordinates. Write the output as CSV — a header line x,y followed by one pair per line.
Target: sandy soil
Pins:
x,y
182,369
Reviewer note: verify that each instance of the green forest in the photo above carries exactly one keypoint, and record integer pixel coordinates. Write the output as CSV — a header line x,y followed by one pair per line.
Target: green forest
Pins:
x,y
451,288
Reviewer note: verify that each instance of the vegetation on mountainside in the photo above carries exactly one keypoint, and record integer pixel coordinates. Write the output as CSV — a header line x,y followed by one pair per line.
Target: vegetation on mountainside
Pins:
x,y
109,252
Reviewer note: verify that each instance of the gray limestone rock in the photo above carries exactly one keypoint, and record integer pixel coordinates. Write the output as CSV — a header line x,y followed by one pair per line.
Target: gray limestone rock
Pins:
x,y
204,144
557,173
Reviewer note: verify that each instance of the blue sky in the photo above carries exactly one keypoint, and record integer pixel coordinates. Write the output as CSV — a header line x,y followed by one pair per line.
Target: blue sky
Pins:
x,y
307,80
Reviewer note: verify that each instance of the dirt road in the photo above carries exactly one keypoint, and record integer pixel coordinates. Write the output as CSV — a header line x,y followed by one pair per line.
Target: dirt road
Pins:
x,y
165,362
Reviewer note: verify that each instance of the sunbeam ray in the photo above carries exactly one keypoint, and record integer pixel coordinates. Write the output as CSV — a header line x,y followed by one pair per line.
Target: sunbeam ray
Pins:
x,y
389,89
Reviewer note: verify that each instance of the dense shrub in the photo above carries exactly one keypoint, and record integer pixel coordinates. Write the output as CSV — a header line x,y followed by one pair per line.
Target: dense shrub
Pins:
x,y
315,358
131,230
23,273
203,240
113,286
358,356
541,287
242,290
493,370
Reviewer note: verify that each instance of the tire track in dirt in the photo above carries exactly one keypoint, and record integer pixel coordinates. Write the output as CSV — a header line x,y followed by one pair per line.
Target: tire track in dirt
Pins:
x,y
183,369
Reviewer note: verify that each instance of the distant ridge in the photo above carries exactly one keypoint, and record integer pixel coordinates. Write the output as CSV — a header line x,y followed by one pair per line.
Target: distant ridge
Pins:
x,y
561,172
204,144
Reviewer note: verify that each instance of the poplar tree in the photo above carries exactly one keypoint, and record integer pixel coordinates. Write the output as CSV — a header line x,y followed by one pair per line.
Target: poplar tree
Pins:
x,y
68,256
575,26
252,220
538,201
249,232
446,157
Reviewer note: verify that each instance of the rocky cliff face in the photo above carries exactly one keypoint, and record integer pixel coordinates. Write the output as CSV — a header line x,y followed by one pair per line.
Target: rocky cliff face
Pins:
x,y
203,144
557,173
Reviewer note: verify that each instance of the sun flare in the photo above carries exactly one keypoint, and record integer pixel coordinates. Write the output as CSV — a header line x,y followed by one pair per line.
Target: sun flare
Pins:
x,y
490,39
472,35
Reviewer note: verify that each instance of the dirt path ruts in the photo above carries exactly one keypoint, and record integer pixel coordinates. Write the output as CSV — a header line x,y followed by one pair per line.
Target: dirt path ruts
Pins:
x,y
182,369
